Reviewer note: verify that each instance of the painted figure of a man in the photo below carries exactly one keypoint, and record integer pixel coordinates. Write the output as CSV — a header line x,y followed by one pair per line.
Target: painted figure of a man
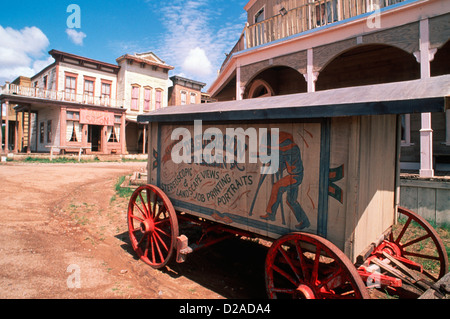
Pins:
x,y
290,160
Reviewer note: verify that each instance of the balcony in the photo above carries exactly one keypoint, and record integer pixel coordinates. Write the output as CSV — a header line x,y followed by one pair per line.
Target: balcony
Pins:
x,y
311,15
62,96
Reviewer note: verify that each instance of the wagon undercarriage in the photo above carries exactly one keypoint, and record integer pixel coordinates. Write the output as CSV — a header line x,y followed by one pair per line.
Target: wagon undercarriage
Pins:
x,y
298,265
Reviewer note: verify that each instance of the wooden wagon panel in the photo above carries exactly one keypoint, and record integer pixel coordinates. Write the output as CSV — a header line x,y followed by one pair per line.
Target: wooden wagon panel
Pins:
x,y
238,194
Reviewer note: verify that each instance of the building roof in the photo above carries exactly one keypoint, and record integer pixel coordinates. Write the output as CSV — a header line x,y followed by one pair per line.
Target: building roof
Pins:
x,y
59,56
176,79
426,95
147,57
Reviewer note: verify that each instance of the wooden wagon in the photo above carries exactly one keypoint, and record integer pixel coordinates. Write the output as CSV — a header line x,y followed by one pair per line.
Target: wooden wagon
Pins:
x,y
317,174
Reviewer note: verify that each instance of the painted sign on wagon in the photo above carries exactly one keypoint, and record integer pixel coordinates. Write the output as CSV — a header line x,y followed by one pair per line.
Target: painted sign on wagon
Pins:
x,y
262,178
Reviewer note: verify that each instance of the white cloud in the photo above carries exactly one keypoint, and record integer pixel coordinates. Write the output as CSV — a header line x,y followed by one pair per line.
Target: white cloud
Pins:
x,y
75,36
21,52
197,63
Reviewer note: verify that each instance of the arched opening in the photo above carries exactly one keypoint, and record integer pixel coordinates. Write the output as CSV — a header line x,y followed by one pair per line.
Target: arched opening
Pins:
x,y
368,64
277,80
260,88
441,62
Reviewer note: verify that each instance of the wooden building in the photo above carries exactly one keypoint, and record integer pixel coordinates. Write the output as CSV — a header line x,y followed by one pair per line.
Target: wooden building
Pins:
x,y
78,104
295,46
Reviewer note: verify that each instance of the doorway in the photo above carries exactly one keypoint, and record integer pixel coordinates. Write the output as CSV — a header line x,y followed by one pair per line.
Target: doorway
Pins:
x,y
95,137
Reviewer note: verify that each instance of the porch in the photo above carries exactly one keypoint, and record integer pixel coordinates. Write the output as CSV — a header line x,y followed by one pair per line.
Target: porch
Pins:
x,y
310,15
40,125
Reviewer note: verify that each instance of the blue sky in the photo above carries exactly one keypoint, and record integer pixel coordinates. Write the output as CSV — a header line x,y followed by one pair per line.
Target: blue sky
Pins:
x,y
191,35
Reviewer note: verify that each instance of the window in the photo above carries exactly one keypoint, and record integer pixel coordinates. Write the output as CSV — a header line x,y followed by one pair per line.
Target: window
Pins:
x,y
147,99
114,131
89,87
73,127
88,91
106,92
193,96
158,99
259,16
135,98
41,132
73,115
45,82
70,88
49,131
183,97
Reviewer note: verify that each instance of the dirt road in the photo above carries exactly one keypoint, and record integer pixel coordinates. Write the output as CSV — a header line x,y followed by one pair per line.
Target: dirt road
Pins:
x,y
63,234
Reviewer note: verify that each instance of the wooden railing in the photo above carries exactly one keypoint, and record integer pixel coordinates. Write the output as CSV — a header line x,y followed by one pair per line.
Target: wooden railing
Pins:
x,y
313,14
56,95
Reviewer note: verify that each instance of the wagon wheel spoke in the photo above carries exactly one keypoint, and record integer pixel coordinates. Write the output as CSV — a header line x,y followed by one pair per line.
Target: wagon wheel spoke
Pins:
x,y
301,258
403,231
289,261
158,247
285,275
146,210
158,229
137,218
332,276
315,271
417,240
143,213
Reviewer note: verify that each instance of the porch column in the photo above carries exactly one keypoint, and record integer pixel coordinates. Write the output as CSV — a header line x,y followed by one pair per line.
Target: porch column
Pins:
x,y
1,126
123,140
238,83
63,128
29,131
426,132
144,136
7,127
310,76
16,134
104,140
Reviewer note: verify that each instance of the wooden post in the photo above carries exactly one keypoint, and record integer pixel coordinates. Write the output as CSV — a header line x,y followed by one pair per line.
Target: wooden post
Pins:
x,y
16,134
144,134
122,138
238,83
311,76
426,132
1,127
29,131
7,127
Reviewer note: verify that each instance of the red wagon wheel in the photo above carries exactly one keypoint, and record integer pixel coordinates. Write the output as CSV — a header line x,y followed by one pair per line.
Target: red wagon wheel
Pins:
x,y
417,244
152,225
307,266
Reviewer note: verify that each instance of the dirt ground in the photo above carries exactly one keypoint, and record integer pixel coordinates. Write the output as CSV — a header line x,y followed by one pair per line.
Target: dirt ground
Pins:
x,y
63,234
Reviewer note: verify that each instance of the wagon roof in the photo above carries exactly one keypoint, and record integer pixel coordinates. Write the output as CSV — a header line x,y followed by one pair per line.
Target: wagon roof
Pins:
x,y
417,96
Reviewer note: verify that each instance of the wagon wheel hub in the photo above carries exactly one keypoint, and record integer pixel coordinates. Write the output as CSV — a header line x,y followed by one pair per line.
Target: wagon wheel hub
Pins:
x,y
304,292
148,226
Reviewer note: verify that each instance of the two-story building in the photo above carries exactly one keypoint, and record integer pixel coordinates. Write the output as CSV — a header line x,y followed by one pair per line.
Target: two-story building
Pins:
x,y
296,46
185,91
143,82
80,104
